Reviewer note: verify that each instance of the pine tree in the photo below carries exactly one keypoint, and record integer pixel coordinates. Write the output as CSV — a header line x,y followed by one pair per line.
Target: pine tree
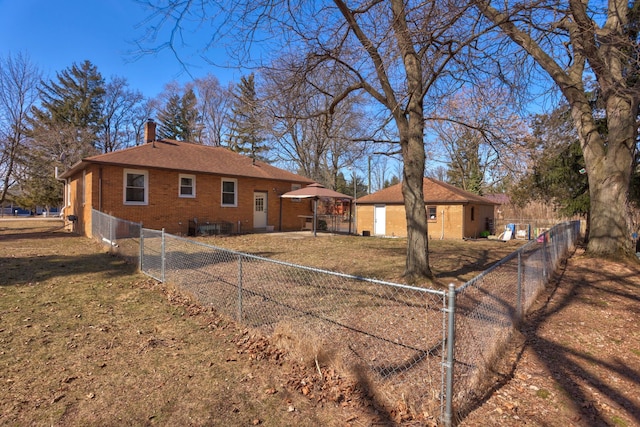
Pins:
x,y
465,170
246,136
189,116
179,118
168,118
67,123
558,173
62,131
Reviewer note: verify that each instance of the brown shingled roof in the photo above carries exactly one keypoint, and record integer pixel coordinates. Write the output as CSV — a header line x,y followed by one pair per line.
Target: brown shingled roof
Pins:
x,y
499,198
435,192
189,157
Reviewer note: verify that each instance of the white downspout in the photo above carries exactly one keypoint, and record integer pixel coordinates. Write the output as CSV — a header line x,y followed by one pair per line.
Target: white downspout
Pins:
x,y
442,235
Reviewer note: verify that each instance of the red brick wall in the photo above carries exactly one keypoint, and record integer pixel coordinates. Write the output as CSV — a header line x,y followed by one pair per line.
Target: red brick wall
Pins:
x,y
165,209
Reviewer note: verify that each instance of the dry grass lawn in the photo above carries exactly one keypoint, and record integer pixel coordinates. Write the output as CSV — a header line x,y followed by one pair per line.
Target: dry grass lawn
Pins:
x,y
452,261
86,340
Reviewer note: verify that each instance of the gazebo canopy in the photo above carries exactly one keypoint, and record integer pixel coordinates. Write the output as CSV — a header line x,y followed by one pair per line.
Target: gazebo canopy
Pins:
x,y
315,191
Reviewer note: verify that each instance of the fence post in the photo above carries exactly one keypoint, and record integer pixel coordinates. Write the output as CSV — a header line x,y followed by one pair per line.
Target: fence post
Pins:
x,y
239,288
141,257
162,257
449,363
519,294
111,234
545,236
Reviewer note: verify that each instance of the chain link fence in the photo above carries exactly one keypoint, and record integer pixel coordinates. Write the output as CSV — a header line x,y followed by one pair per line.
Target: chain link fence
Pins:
x,y
489,307
122,237
387,334
429,349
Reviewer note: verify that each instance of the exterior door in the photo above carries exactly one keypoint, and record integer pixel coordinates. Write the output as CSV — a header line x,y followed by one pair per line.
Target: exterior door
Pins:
x,y
259,210
379,220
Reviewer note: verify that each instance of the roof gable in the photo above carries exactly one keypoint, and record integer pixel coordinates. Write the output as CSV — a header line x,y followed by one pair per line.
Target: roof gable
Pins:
x,y
435,192
189,157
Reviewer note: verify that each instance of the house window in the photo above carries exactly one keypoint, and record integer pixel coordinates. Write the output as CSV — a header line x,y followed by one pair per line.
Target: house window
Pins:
x,y
136,187
431,213
293,188
229,192
187,186
473,213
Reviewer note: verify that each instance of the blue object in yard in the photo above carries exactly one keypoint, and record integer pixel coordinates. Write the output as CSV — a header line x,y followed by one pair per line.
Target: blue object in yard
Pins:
x,y
512,227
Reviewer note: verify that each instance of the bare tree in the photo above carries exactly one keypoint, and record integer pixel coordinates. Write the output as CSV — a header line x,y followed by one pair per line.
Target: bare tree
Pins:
x,y
395,52
317,143
571,41
213,104
481,138
119,111
144,111
19,80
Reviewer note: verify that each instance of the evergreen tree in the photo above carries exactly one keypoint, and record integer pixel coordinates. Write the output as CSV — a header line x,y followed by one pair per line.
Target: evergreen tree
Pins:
x,y
558,172
168,118
179,118
189,116
75,99
465,169
62,131
66,125
246,136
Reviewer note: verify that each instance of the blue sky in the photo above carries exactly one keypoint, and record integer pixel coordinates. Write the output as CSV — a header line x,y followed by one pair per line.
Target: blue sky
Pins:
x,y
57,33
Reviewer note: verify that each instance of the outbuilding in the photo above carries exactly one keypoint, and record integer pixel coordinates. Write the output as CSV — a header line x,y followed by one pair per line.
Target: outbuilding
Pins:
x,y
452,213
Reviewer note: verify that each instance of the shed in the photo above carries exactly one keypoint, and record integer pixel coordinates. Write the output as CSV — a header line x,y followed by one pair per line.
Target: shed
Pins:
x,y
452,213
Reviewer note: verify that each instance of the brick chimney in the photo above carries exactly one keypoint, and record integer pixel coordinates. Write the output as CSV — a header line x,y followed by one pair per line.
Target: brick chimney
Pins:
x,y
149,131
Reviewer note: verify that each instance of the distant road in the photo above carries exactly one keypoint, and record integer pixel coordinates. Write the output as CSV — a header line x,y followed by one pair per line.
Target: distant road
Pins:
x,y
30,218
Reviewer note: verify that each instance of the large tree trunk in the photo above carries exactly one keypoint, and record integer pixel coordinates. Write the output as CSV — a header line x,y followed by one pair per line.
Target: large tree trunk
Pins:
x,y
608,153
410,122
413,154
609,165
417,263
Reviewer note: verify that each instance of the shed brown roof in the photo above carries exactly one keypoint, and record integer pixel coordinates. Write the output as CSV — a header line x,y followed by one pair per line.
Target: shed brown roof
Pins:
x,y
435,192
189,157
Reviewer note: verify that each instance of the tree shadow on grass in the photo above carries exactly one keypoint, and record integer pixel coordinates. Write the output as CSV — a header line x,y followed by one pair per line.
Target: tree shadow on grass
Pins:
x,y
28,233
571,368
16,271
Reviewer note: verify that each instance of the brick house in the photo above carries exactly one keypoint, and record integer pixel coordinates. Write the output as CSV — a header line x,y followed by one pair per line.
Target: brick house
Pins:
x,y
177,185
452,213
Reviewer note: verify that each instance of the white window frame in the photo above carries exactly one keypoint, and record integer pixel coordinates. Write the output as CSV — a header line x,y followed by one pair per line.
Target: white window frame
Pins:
x,y
145,174
193,185
235,193
435,214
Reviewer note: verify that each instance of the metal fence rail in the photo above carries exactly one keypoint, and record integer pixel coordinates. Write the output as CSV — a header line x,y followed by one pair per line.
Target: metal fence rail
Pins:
x,y
429,348
122,237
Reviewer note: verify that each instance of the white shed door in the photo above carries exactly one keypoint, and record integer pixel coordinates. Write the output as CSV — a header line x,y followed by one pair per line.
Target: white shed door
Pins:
x,y
379,220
